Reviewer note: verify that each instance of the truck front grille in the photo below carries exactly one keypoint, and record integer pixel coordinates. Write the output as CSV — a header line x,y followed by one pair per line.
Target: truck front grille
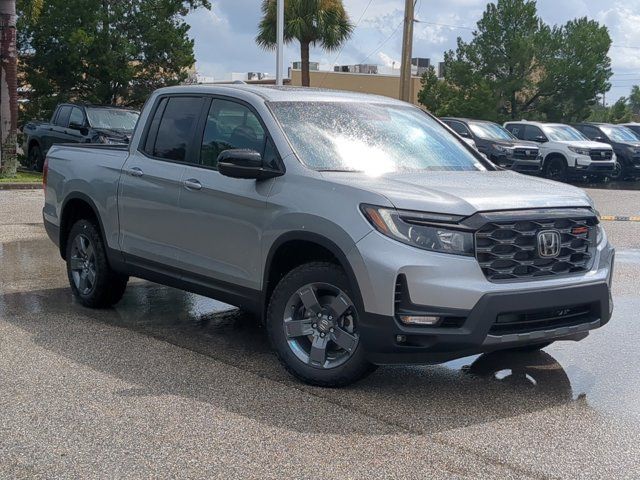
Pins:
x,y
600,154
511,250
522,153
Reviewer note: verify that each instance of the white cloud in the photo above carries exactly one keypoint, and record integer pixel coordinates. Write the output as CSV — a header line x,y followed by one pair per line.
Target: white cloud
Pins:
x,y
225,37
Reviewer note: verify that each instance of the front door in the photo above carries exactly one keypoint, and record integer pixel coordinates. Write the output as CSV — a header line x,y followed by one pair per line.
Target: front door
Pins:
x,y
151,184
223,218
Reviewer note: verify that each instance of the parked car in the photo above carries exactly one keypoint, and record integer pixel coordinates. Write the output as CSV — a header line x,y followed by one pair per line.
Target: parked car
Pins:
x,y
565,151
498,144
72,123
634,126
625,144
356,227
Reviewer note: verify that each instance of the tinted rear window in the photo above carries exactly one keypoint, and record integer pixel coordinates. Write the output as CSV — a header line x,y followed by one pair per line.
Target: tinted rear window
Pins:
x,y
176,128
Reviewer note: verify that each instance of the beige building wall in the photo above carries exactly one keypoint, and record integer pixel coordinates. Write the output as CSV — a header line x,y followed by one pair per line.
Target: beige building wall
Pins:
x,y
387,85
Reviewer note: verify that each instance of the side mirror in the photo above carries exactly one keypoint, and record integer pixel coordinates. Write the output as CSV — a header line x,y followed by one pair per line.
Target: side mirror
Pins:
x,y
76,126
540,139
247,164
599,139
464,134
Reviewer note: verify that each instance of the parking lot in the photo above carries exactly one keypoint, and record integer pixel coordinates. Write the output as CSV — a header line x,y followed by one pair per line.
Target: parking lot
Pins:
x,y
170,384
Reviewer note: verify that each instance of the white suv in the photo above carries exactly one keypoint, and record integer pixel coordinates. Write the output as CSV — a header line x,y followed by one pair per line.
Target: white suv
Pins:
x,y
565,151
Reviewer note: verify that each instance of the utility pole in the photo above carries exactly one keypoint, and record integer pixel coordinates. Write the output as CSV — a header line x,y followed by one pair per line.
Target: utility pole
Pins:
x,y
280,42
407,42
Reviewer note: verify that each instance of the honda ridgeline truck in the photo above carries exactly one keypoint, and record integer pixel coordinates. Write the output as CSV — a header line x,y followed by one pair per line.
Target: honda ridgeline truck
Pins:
x,y
360,229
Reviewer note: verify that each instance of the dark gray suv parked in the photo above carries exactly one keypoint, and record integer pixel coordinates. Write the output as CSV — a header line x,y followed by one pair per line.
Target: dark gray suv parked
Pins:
x,y
498,144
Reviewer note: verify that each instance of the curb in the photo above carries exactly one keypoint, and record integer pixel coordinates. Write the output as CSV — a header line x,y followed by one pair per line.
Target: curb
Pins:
x,y
21,186
619,218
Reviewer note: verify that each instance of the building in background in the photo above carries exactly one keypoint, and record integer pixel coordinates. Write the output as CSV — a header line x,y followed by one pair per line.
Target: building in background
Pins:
x,y
419,65
386,84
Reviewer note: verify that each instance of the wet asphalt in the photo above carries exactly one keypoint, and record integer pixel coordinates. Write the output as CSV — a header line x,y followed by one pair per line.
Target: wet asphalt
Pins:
x,y
174,385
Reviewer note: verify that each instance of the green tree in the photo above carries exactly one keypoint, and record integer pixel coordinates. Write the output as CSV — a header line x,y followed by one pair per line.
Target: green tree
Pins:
x,y
103,51
634,100
620,111
442,99
323,23
518,67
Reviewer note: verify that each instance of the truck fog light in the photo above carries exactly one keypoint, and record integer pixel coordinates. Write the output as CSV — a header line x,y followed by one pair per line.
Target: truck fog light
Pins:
x,y
420,319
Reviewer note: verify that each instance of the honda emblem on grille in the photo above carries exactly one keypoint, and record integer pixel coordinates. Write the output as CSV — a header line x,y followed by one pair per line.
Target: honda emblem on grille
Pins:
x,y
549,243
527,152
603,154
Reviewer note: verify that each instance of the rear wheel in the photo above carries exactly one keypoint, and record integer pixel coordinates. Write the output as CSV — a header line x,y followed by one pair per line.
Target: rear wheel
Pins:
x,y
312,323
92,280
556,169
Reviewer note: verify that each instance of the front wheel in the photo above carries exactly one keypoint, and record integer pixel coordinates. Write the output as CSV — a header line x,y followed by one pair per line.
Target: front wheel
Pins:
x,y
619,173
556,169
92,280
312,323
36,159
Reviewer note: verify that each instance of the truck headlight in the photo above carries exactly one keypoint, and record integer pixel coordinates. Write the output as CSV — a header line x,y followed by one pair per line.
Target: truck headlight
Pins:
x,y
501,148
580,151
433,232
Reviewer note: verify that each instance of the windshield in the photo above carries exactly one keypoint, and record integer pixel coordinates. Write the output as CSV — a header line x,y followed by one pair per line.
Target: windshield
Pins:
x,y
370,138
112,118
490,131
563,133
620,134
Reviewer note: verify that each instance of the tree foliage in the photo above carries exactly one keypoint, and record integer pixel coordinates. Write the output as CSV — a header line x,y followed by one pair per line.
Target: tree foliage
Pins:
x,y
517,67
103,51
323,23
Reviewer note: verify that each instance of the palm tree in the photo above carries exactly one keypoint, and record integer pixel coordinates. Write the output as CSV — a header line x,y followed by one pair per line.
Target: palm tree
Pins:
x,y
323,23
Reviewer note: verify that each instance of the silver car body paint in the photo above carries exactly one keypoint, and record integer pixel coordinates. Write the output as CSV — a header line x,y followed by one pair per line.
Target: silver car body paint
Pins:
x,y
227,230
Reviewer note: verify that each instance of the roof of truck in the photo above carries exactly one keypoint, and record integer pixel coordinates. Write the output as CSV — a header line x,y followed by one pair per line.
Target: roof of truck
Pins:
x,y
272,93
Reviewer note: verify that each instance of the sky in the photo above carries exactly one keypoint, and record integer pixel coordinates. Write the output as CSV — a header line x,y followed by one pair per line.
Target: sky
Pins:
x,y
225,36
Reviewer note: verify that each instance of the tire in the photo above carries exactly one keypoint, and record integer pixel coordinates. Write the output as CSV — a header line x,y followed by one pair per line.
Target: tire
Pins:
x,y
93,282
556,169
309,349
36,159
530,348
619,173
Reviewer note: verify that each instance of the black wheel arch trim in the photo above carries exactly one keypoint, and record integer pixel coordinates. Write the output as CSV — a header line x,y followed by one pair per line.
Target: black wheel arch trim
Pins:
x,y
84,197
322,241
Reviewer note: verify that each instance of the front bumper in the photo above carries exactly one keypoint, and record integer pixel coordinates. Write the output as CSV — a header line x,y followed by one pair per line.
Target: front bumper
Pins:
x,y
454,287
532,166
594,168
388,341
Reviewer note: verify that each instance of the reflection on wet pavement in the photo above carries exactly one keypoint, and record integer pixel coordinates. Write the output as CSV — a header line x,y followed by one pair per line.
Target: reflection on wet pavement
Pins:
x,y
543,412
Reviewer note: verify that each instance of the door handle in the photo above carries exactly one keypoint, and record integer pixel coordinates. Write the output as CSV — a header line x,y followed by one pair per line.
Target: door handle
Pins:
x,y
192,184
136,172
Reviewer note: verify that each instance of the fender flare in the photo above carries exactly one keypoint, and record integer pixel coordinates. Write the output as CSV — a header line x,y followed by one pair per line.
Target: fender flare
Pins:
x,y
323,242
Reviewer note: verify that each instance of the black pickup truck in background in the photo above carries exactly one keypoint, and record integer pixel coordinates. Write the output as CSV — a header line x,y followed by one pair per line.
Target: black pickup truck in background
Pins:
x,y
72,123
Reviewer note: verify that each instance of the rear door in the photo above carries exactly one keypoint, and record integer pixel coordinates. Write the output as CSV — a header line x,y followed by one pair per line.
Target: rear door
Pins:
x,y
56,131
151,183
223,218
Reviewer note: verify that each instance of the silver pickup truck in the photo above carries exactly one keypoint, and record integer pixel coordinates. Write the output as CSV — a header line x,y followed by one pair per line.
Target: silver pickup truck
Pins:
x,y
359,229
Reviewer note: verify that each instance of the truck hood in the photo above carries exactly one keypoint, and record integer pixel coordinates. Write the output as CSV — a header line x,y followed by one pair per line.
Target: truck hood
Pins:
x,y
585,144
465,193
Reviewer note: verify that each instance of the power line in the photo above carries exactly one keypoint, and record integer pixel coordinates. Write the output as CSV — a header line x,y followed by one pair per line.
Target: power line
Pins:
x,y
343,45
395,30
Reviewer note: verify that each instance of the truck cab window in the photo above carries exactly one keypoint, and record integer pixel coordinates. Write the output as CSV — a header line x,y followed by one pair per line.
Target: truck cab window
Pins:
x,y
62,118
176,128
76,117
229,125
